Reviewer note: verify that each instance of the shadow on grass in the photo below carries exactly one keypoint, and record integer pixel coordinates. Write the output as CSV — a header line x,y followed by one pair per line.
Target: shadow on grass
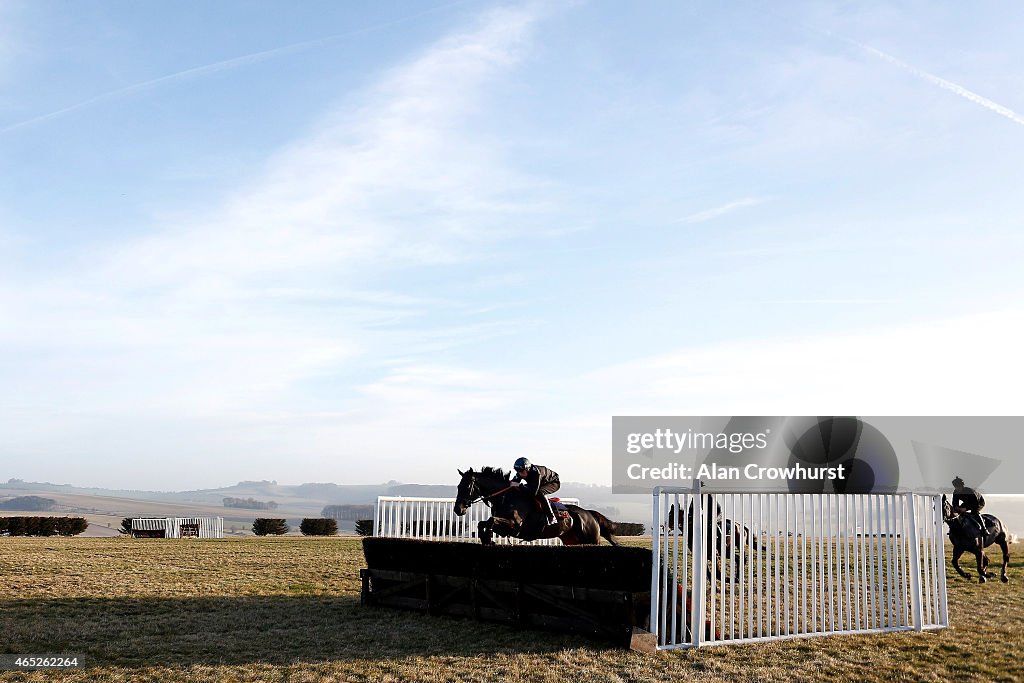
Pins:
x,y
238,630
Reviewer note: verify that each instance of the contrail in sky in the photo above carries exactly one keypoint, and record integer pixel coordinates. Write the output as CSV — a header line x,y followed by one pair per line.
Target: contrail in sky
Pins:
x,y
942,83
207,69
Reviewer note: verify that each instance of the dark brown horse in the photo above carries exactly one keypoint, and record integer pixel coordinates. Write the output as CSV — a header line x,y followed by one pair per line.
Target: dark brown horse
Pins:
x,y
966,537
516,514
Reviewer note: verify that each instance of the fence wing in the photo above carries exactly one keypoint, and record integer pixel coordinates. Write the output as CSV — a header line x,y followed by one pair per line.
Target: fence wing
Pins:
x,y
748,567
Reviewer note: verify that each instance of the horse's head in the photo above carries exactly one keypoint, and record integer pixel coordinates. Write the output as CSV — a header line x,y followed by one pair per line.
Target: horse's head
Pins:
x,y
469,491
485,484
947,510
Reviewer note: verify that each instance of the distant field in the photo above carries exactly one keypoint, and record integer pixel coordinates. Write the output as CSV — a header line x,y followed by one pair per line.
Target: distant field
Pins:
x,y
280,609
105,513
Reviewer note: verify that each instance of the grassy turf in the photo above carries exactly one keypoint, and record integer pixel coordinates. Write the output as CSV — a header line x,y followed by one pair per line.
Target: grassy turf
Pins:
x,y
287,609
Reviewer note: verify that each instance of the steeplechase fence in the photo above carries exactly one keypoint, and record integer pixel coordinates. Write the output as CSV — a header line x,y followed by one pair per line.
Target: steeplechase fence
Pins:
x,y
740,567
434,519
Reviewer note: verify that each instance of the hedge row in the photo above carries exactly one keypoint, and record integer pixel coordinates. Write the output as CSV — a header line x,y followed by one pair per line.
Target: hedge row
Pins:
x,y
263,526
42,526
322,526
629,529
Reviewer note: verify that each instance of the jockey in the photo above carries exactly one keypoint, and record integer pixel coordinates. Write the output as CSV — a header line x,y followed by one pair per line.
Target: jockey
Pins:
x,y
969,502
538,481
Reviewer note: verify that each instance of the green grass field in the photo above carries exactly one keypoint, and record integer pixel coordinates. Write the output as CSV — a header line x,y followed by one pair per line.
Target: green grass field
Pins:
x,y
287,609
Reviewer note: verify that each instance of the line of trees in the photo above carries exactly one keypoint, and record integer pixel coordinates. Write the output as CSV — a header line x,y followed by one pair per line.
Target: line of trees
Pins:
x,y
42,526
347,512
249,504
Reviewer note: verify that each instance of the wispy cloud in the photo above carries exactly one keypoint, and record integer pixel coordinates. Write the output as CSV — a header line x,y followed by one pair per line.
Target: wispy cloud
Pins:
x,y
387,178
216,67
234,306
952,87
719,211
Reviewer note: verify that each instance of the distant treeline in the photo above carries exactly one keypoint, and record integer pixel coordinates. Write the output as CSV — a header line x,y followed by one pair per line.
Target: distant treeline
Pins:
x,y
346,513
249,504
42,526
29,503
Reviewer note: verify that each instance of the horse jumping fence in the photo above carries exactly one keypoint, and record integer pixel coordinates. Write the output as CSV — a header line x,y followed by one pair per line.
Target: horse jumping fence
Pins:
x,y
749,567
434,519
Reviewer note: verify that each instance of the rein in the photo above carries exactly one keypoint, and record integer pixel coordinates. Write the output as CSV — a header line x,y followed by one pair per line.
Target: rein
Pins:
x,y
507,488
486,499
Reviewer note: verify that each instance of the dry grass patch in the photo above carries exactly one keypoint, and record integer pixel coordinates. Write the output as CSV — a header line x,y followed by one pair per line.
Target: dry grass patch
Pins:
x,y
287,609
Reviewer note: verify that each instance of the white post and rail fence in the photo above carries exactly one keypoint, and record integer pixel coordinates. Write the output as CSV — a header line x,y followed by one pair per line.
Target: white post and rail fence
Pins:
x,y
434,519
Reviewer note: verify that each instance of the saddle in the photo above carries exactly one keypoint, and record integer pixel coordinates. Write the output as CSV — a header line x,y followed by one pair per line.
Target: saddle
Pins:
x,y
969,522
562,516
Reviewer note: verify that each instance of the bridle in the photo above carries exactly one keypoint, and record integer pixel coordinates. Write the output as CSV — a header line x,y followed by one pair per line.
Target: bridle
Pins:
x,y
474,497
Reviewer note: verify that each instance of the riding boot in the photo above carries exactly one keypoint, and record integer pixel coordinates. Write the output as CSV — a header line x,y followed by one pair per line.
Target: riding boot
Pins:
x,y
548,510
981,524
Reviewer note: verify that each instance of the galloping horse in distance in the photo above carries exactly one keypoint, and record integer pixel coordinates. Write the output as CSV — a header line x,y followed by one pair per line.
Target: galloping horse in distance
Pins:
x,y
517,514
967,537
735,538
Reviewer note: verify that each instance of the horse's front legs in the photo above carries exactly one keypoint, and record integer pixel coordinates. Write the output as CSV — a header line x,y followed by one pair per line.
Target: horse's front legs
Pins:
x,y
1004,546
979,554
485,531
984,565
957,552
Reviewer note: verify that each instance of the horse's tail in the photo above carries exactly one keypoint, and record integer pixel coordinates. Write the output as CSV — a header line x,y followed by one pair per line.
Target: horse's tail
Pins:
x,y
751,538
606,526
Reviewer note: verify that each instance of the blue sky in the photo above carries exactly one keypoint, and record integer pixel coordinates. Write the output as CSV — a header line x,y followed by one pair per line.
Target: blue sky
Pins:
x,y
354,243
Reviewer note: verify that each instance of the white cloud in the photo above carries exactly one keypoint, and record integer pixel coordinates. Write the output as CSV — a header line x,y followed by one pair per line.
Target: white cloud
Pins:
x,y
719,211
959,366
422,421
